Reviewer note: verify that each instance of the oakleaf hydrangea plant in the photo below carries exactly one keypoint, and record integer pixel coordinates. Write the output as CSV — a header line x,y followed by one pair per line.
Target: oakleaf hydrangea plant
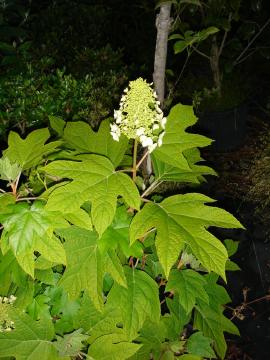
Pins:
x,y
94,266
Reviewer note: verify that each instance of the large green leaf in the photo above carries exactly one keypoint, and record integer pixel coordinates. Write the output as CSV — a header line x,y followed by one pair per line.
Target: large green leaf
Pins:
x,y
80,136
30,340
29,152
96,180
188,285
183,220
85,266
29,229
176,140
137,302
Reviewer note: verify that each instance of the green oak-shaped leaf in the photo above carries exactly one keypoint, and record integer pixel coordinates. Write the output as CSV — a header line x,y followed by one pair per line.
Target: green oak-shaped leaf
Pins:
x,y
81,137
96,180
183,220
213,324
116,236
152,336
167,172
57,124
188,285
29,229
30,340
29,152
85,266
200,345
209,318
176,140
114,267
70,344
137,302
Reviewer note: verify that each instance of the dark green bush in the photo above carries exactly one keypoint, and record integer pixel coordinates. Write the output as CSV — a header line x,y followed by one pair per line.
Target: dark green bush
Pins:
x,y
28,98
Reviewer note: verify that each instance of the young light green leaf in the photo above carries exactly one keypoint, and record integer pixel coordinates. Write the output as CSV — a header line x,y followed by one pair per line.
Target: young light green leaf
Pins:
x,y
29,229
183,220
85,266
29,152
112,347
96,180
81,137
176,140
8,171
188,285
30,340
137,302
200,345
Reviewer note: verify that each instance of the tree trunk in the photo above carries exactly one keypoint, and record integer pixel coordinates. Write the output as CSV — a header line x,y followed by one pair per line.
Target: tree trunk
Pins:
x,y
163,22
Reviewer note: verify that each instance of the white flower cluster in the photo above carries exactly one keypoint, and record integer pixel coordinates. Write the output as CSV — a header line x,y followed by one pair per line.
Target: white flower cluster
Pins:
x,y
5,323
139,116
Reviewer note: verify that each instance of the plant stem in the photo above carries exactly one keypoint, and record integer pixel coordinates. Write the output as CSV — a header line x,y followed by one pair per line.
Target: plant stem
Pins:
x,y
142,159
29,198
134,167
154,184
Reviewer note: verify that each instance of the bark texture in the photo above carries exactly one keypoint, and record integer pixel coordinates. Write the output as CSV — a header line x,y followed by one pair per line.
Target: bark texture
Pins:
x,y
163,22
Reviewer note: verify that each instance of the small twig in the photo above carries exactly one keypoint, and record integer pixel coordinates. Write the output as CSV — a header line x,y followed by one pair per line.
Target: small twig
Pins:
x,y
125,170
137,262
154,184
224,37
251,42
179,77
2,191
145,200
29,198
200,52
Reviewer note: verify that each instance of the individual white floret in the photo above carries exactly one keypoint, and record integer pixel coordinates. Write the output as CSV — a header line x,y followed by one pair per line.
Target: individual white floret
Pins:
x,y
160,138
